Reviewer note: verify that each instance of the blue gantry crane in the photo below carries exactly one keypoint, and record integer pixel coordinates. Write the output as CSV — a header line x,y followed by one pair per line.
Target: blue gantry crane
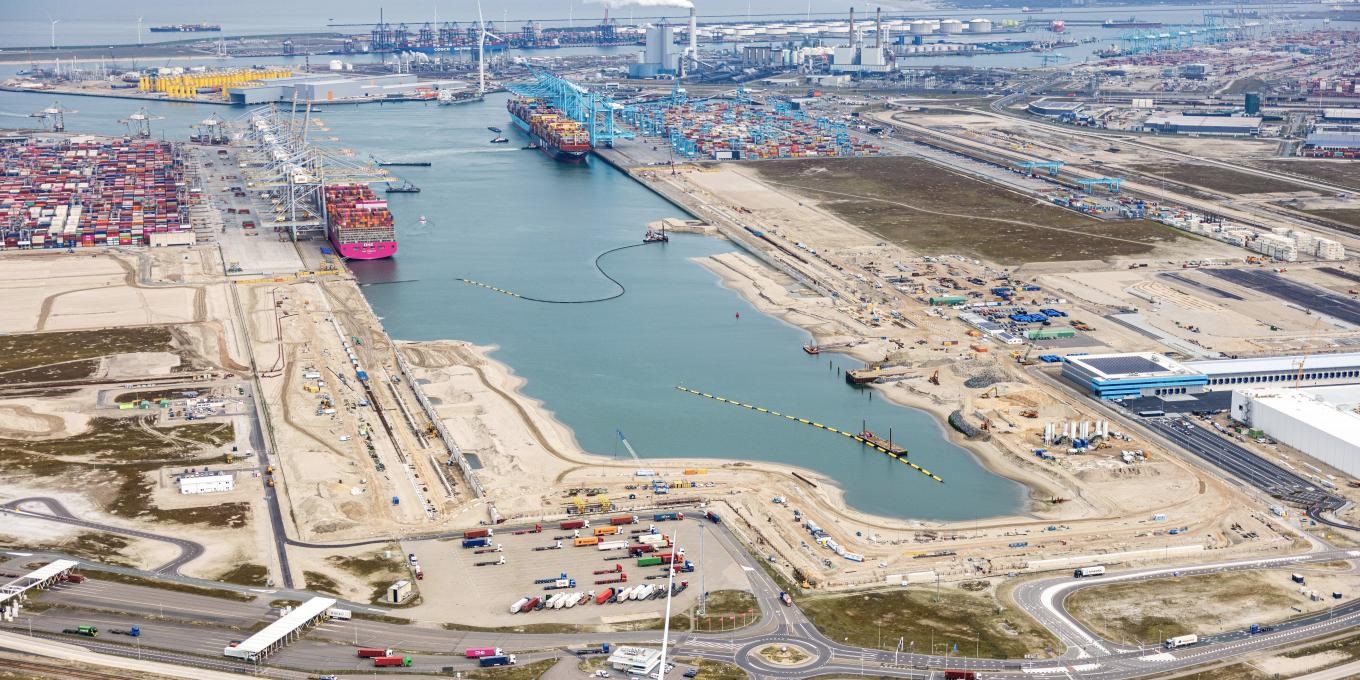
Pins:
x,y
1111,183
1051,166
595,111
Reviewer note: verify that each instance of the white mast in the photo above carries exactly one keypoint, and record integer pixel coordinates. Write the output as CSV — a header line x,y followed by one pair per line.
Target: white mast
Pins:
x,y
481,52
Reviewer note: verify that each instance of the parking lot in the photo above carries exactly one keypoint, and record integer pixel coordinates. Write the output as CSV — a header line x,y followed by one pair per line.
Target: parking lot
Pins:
x,y
455,588
1316,299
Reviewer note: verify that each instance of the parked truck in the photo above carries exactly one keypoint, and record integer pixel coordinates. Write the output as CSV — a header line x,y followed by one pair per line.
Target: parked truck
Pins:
x,y
498,660
477,533
1088,571
341,614
959,675
574,524
479,652
476,542
381,661
87,631
373,652
623,519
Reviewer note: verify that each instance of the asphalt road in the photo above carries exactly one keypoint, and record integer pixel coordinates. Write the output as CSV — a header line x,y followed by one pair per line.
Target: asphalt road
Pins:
x,y
56,512
1316,299
195,628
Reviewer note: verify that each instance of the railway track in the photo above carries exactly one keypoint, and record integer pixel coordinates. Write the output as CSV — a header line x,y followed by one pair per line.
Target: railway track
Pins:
x,y
59,671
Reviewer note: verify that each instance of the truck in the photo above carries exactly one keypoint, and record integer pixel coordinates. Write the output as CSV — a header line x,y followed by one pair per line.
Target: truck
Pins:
x,y
784,598
476,542
612,545
518,606
1181,641
135,631
713,517
604,596
574,524
623,519
586,540
477,533
959,675
1088,571
87,631
1297,578
341,614
602,648
391,661
479,652
649,562
498,660
667,516
420,573
606,531
372,652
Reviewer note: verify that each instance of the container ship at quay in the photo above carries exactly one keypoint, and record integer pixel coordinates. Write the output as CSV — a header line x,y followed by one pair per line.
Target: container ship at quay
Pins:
x,y
555,134
359,224
186,28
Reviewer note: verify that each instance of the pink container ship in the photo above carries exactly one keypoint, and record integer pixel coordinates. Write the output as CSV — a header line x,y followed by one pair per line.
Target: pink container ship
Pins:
x,y
359,223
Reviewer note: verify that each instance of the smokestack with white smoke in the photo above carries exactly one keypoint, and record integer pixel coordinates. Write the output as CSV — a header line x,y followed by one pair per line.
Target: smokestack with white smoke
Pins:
x,y
614,4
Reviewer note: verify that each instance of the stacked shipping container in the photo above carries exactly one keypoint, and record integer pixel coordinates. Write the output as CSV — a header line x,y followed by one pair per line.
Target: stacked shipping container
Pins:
x,y
360,225
85,192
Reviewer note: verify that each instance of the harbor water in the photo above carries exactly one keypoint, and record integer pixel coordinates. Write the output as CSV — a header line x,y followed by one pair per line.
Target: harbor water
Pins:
x,y
515,219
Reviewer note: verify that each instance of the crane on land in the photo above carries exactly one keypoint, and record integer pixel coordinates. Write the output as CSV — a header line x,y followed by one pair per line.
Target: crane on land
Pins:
x,y
1307,350
628,446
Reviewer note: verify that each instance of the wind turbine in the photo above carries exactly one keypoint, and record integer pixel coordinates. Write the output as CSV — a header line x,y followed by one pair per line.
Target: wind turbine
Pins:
x,y
139,30
54,30
481,52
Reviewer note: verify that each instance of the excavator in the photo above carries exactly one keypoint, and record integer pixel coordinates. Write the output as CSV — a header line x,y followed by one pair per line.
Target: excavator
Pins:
x,y
935,377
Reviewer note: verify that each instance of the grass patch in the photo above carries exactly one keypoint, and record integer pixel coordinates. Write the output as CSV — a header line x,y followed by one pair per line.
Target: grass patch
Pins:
x,y
151,395
878,619
528,671
321,583
1340,172
950,209
134,500
1215,178
715,670
527,628
220,593
131,439
380,618
246,575
1348,217
1348,645
1236,671
1191,604
99,547
740,605
67,370
30,350
368,566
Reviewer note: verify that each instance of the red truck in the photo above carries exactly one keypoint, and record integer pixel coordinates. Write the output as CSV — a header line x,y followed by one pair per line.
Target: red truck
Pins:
x,y
479,652
959,675
604,596
371,652
574,524
623,519
476,533
391,661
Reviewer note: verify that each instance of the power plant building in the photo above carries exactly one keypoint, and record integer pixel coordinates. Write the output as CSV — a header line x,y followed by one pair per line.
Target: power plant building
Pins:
x,y
660,57
1320,422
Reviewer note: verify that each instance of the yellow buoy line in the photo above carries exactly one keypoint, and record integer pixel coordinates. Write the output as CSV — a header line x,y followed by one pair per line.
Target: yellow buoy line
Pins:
x,y
902,458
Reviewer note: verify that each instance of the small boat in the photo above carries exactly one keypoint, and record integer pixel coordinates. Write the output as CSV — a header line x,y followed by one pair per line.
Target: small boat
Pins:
x,y
531,146
656,236
494,129
405,188
422,219
500,140
812,349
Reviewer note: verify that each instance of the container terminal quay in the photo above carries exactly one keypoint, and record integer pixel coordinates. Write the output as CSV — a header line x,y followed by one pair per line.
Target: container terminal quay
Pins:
x,y
1128,285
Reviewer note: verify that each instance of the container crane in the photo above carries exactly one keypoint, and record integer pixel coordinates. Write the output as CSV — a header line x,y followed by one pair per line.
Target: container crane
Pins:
x,y
53,117
139,124
1307,351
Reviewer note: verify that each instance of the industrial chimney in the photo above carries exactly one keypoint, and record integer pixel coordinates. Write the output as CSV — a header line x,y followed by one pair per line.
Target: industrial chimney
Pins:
x,y
853,41
878,28
693,34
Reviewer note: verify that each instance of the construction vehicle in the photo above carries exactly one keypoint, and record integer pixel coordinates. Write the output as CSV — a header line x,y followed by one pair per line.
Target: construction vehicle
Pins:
x,y
1029,413
935,377
993,392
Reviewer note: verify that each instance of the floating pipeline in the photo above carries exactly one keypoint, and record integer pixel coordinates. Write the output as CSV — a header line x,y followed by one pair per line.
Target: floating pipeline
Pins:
x,y
513,294
902,458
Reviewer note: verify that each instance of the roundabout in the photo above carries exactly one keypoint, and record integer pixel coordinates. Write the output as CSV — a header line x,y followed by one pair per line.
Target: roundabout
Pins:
x,y
784,656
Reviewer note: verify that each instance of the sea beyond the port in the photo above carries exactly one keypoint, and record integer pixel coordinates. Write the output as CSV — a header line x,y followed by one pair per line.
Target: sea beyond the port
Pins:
x,y
520,221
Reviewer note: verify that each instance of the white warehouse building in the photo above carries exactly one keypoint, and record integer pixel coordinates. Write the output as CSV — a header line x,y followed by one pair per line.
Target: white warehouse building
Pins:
x,y
1322,422
207,482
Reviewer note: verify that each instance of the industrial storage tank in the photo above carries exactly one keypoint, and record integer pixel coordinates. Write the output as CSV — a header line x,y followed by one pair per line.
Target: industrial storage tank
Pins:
x,y
979,25
951,26
922,27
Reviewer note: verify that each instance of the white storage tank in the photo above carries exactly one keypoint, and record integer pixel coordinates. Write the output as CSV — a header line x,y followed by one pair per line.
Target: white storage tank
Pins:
x,y
921,27
979,25
951,26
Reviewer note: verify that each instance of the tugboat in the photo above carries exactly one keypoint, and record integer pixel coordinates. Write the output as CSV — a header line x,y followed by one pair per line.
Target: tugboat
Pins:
x,y
531,146
656,236
812,349
499,140
422,219
405,188
494,129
